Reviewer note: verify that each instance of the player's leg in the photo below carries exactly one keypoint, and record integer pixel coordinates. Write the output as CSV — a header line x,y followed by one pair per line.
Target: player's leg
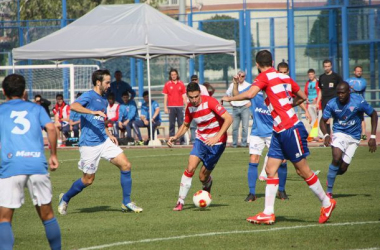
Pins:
x,y
136,127
245,115
76,130
263,173
66,130
172,117
333,169
6,234
88,164
282,176
41,192
256,147
180,122
9,201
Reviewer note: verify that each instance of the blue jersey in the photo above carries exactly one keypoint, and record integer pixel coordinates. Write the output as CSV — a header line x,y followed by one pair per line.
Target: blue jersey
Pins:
x,y
74,116
358,85
348,118
22,145
262,120
128,111
92,126
145,110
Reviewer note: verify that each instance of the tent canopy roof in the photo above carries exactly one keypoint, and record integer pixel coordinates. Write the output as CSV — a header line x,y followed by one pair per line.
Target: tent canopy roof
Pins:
x,y
123,30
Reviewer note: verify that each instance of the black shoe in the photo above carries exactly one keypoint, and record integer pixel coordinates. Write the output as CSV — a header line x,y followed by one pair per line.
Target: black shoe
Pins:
x,y
208,189
282,195
250,198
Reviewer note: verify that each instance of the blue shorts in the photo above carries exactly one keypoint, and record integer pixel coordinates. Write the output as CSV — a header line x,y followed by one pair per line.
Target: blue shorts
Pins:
x,y
209,155
290,144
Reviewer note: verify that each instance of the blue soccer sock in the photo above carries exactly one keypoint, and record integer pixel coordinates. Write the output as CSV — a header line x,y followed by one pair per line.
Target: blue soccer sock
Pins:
x,y
6,236
53,233
75,189
252,177
282,175
331,175
126,186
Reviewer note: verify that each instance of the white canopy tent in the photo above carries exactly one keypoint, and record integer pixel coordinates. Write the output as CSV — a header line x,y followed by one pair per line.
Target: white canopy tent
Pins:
x,y
135,30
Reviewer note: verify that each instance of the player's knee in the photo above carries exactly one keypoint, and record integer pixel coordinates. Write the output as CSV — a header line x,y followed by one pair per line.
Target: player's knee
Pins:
x,y
336,161
126,166
88,181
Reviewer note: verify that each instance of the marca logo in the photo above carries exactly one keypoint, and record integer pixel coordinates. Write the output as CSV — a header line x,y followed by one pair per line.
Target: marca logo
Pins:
x,y
262,111
98,117
28,154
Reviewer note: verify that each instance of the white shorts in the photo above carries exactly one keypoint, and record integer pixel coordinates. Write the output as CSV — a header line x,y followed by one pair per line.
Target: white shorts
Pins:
x,y
12,190
90,155
347,144
257,144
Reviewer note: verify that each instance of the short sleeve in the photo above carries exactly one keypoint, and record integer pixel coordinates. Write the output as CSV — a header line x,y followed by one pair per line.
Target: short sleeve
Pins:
x,y
365,107
183,88
295,86
327,111
188,117
216,107
165,89
260,82
84,99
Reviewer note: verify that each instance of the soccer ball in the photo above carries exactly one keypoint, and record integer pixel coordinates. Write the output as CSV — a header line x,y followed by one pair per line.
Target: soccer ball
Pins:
x,y
202,199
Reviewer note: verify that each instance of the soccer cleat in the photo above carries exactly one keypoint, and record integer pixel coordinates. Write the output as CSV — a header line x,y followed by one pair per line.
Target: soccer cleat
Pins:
x,y
208,189
282,195
330,195
250,198
62,205
262,218
178,207
131,207
326,211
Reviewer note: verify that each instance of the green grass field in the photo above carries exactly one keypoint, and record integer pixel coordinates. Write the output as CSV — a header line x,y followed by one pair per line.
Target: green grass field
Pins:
x,y
94,217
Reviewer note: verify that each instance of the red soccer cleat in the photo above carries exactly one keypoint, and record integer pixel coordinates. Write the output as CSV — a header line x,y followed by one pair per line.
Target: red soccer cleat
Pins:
x,y
178,207
326,212
262,218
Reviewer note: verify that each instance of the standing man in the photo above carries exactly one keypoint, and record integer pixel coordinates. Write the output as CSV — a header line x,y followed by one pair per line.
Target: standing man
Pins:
x,y
347,111
328,82
174,100
193,124
145,118
358,86
23,162
240,111
213,122
96,142
288,138
312,92
118,87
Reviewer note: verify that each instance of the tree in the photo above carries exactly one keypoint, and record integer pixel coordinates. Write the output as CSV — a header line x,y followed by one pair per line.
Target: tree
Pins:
x,y
225,27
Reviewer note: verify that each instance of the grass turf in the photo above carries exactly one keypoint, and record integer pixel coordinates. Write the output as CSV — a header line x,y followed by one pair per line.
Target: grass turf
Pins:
x,y
94,217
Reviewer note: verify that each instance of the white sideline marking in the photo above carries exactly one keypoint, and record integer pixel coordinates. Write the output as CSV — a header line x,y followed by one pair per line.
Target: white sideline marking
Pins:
x,y
230,232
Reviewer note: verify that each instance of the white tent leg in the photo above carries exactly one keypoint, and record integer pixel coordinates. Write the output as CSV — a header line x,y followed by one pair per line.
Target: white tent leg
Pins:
x,y
156,141
235,60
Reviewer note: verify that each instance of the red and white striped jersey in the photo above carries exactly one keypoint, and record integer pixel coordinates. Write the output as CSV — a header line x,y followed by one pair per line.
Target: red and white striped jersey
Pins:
x,y
279,89
113,112
63,111
207,116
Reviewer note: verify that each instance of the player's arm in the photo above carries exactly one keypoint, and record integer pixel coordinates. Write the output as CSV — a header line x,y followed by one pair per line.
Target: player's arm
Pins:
x,y
299,99
77,107
181,131
227,123
247,95
52,138
166,110
156,113
372,141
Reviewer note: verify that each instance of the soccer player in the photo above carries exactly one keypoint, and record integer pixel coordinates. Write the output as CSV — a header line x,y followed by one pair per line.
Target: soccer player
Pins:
x,y
97,142
23,162
212,120
288,138
358,86
347,111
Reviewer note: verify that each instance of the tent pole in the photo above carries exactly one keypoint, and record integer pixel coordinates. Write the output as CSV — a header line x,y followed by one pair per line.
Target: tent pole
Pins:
x,y
150,98
235,59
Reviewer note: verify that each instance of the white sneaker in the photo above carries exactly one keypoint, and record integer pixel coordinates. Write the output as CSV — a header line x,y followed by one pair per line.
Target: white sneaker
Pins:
x,y
62,206
131,207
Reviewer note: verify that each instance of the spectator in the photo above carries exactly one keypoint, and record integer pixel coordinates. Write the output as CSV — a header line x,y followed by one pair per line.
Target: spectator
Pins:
x,y
358,85
118,87
145,118
209,87
193,124
240,111
75,120
174,101
61,113
127,116
113,115
43,102
328,82
312,92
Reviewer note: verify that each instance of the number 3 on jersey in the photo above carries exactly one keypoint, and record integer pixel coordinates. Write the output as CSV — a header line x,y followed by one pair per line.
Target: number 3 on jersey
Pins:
x,y
20,119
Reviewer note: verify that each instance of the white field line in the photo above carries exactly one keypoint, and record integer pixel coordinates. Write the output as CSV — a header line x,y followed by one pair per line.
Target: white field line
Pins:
x,y
154,156
228,233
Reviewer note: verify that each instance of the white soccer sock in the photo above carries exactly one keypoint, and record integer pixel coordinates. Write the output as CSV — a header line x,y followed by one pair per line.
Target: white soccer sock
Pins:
x,y
270,195
185,186
316,187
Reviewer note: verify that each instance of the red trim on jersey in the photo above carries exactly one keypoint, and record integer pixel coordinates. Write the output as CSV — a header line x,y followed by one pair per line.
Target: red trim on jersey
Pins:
x,y
300,140
188,174
274,181
312,180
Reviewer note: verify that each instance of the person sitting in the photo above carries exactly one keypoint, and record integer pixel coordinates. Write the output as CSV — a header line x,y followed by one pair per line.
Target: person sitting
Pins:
x,y
113,115
75,120
61,113
127,116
